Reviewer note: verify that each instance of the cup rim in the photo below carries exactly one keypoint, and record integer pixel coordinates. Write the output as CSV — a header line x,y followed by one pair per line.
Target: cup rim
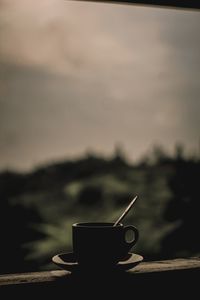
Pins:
x,y
96,225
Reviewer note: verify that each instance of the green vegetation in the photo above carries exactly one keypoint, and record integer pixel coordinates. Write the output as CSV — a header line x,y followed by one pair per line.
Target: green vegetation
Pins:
x,y
38,209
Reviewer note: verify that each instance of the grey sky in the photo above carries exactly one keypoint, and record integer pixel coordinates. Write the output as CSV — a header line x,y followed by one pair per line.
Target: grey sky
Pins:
x,y
83,76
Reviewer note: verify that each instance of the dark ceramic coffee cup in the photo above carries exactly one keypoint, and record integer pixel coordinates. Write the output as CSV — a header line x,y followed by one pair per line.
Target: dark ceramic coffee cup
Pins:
x,y
101,243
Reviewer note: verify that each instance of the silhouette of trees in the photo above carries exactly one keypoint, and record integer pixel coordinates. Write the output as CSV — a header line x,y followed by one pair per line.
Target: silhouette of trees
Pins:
x,y
53,194
91,196
184,209
16,223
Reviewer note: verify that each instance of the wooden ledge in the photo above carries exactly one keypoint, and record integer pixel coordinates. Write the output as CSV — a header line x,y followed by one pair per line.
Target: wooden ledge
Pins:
x,y
143,268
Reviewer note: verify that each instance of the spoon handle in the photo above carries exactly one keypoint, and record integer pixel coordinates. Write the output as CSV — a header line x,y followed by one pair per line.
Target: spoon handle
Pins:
x,y
126,211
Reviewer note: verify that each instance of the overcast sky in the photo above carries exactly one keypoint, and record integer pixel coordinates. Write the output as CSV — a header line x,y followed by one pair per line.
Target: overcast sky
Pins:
x,y
78,77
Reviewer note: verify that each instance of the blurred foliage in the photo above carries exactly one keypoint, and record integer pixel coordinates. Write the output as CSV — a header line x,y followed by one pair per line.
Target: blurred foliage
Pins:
x,y
39,208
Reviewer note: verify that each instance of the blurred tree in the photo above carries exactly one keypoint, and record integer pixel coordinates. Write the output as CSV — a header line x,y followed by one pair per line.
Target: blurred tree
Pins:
x,y
159,155
16,226
91,195
184,208
119,154
179,151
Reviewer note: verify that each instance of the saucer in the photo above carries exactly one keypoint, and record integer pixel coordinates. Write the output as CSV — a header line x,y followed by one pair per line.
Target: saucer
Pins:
x,y
68,262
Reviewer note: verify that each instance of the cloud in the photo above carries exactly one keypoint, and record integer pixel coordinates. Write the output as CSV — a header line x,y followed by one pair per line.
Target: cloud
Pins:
x,y
78,76
180,34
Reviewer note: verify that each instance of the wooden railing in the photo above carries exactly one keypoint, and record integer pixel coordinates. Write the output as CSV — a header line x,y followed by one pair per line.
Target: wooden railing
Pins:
x,y
156,279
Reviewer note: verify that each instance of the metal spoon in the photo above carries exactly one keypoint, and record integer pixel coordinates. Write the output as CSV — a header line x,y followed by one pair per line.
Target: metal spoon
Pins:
x,y
125,211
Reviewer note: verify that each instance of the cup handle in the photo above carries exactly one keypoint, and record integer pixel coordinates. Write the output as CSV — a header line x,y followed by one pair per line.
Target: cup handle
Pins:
x,y
131,243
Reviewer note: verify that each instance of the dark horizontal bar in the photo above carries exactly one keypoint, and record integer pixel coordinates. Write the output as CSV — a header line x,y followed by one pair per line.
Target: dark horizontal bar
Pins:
x,y
188,4
143,268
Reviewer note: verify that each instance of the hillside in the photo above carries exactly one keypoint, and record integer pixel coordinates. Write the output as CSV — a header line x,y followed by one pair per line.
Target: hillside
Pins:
x,y
38,208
